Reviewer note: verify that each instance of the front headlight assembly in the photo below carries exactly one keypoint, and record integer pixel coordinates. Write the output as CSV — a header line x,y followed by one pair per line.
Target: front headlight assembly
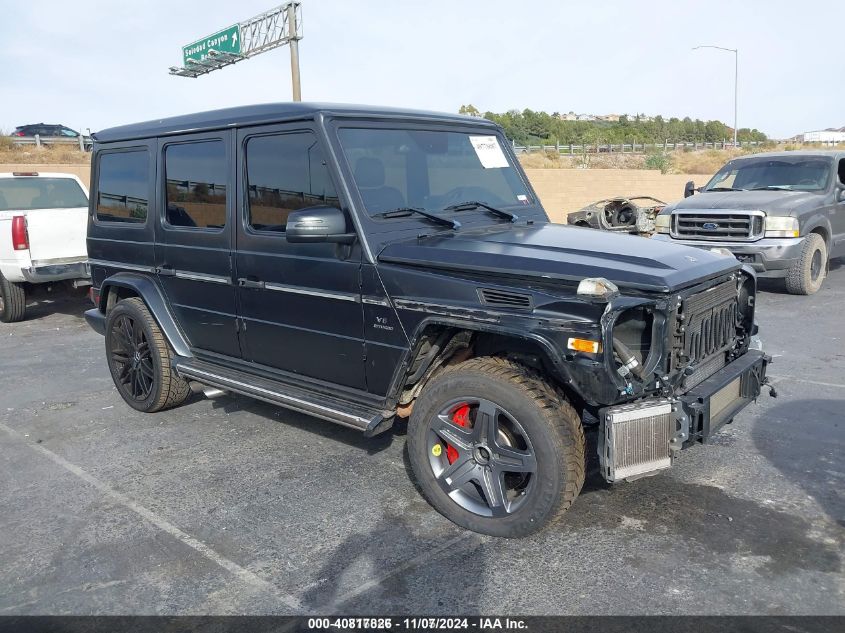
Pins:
x,y
781,227
662,223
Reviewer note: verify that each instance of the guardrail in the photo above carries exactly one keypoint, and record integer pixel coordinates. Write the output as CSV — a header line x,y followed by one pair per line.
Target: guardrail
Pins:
x,y
627,148
85,143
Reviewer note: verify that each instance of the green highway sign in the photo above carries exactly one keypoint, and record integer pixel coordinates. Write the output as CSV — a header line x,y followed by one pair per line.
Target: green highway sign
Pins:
x,y
225,41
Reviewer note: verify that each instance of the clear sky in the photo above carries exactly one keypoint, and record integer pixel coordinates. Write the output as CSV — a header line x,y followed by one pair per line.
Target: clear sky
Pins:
x,y
97,63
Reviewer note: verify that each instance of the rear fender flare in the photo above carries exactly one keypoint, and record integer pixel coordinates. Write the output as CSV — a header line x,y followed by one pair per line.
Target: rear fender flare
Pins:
x,y
152,295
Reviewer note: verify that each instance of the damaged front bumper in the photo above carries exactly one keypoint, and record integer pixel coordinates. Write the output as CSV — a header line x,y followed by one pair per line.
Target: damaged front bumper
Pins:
x,y
641,438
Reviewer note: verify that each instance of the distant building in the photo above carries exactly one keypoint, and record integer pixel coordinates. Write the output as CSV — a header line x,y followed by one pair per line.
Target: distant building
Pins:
x,y
569,116
585,117
612,118
830,135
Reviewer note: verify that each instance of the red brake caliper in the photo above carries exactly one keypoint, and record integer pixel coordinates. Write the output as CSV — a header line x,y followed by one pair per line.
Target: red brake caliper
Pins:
x,y
461,418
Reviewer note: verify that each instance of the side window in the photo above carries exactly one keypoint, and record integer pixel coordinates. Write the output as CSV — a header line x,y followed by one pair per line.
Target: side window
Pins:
x,y
285,172
123,187
196,185
842,171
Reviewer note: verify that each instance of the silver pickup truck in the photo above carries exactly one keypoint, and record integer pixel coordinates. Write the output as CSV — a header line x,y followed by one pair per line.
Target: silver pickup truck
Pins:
x,y
782,213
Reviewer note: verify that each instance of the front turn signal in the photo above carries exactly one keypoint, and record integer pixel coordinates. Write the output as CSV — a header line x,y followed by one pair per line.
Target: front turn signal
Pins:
x,y
584,345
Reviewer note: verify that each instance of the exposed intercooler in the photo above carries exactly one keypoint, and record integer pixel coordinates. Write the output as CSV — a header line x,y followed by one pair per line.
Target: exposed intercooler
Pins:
x,y
636,439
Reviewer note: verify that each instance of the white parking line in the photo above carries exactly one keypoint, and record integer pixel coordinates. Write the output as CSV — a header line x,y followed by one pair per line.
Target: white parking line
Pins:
x,y
163,524
809,382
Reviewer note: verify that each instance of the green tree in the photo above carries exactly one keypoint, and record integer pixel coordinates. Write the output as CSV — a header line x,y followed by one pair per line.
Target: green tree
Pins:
x,y
538,127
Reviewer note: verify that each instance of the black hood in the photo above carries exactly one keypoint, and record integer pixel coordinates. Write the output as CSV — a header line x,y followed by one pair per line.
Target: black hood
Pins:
x,y
772,202
556,251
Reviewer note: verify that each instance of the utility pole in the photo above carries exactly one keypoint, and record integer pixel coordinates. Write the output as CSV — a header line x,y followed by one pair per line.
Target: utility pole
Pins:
x,y
736,81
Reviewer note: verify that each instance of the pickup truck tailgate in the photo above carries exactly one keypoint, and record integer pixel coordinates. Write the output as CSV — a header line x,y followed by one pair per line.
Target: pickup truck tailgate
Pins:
x,y
57,234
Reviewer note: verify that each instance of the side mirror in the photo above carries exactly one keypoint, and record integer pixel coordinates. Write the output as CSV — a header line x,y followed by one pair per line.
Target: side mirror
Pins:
x,y
689,189
318,224
840,195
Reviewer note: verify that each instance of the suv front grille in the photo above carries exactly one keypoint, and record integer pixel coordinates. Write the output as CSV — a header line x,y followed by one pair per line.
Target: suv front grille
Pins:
x,y
723,225
708,331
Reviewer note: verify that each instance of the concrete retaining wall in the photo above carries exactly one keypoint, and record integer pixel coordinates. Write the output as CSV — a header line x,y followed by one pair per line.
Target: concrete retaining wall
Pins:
x,y
565,190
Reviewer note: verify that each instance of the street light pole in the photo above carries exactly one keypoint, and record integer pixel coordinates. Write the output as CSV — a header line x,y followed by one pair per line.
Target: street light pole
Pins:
x,y
736,81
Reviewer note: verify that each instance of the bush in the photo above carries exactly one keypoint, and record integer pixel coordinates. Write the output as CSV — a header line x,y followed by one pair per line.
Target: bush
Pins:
x,y
659,161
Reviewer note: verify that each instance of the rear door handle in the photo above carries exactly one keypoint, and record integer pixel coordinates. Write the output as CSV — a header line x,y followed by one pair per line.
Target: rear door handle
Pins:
x,y
244,282
166,271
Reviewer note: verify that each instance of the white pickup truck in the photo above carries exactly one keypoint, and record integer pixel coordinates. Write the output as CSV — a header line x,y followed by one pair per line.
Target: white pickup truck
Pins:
x,y
43,221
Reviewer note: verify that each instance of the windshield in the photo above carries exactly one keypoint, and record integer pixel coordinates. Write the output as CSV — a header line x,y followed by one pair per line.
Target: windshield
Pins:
x,y
799,173
28,194
430,170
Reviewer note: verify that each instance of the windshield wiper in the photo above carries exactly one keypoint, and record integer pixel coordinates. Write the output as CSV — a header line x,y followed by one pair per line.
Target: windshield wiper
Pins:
x,y
475,204
773,188
724,189
403,212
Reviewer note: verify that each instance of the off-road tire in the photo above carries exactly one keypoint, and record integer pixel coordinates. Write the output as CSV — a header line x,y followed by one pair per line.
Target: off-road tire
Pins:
x,y
552,424
799,278
168,389
13,301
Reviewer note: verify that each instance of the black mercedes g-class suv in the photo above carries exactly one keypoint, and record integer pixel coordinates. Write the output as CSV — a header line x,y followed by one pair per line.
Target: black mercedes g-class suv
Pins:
x,y
782,213
364,265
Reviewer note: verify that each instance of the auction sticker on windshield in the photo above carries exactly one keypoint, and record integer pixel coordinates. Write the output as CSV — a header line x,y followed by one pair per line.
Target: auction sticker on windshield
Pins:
x,y
489,151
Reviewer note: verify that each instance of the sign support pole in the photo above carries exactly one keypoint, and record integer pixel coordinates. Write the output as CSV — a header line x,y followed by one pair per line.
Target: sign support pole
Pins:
x,y
294,53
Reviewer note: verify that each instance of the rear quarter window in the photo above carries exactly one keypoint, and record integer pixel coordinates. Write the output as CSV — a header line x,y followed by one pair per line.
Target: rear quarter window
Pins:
x,y
123,187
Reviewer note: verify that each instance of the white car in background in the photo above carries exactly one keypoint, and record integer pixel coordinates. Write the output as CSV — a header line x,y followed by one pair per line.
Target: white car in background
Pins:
x,y
43,221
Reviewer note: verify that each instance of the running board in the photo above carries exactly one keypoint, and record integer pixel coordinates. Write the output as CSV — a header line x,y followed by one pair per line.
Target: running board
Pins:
x,y
368,421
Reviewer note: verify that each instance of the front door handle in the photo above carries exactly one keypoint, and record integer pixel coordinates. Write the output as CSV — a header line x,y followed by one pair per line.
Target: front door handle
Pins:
x,y
244,282
165,270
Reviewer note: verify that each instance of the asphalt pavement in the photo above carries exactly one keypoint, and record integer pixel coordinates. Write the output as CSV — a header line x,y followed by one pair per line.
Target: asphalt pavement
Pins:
x,y
232,506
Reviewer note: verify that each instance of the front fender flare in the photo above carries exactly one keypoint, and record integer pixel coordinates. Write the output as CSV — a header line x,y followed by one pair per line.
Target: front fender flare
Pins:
x,y
553,354
818,221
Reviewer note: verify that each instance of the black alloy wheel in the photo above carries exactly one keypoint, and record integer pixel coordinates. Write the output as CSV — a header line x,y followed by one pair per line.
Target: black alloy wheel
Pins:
x,y
141,359
131,356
